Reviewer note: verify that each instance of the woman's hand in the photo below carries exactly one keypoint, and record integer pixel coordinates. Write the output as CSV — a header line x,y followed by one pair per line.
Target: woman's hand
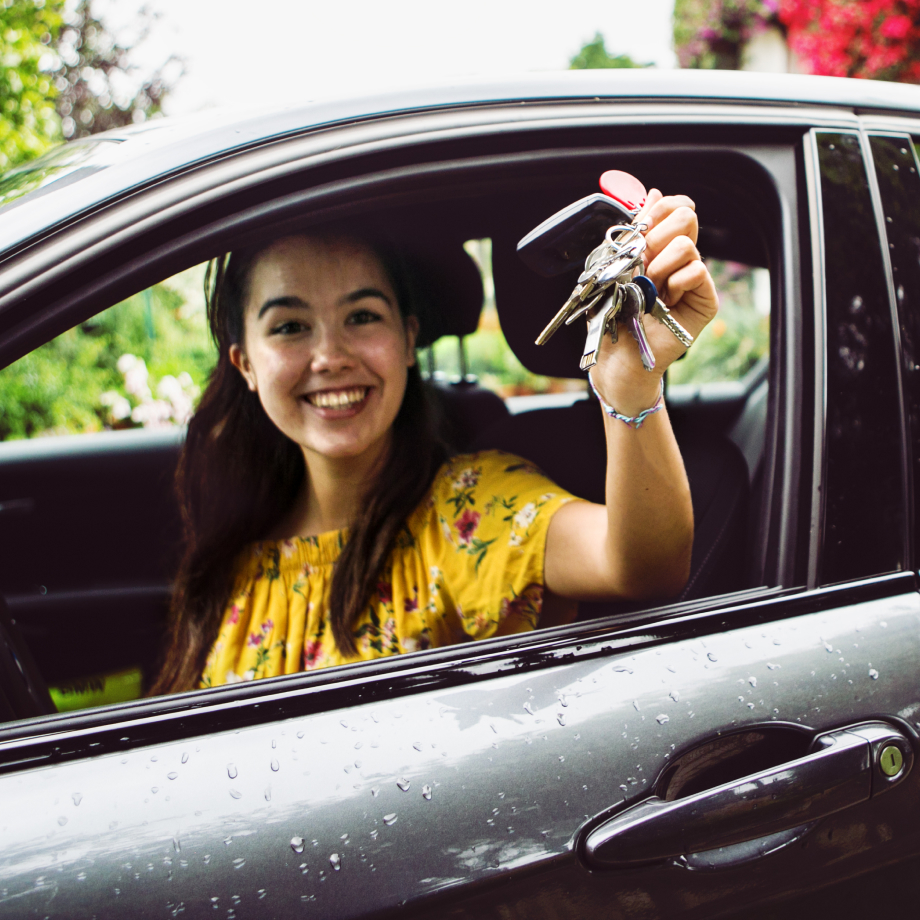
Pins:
x,y
638,545
673,263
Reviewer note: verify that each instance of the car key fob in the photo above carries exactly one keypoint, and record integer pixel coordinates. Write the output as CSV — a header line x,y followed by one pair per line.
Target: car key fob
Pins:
x,y
562,242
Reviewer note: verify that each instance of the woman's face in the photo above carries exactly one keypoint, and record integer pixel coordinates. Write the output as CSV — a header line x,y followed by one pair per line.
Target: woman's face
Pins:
x,y
325,346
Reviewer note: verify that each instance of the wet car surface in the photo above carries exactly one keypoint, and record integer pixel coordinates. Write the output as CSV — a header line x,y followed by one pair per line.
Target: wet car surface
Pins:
x,y
472,780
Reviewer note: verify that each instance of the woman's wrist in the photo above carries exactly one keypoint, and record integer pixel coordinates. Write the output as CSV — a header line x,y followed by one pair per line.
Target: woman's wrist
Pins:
x,y
633,420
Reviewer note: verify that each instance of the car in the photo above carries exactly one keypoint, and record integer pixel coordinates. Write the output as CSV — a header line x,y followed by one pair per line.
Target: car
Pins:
x,y
741,750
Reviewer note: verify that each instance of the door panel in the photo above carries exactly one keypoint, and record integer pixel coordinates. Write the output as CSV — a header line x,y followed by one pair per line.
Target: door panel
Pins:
x,y
468,800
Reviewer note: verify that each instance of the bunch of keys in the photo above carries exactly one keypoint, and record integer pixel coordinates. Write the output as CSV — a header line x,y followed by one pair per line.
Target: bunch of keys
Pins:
x,y
611,288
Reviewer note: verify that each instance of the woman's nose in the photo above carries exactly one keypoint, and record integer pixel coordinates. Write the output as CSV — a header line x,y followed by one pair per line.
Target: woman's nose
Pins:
x,y
330,350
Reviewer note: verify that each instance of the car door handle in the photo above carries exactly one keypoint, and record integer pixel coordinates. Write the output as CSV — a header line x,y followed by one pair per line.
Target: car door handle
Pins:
x,y
845,767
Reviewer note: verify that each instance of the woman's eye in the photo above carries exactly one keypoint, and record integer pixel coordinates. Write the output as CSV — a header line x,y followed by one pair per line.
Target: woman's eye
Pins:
x,y
362,317
290,327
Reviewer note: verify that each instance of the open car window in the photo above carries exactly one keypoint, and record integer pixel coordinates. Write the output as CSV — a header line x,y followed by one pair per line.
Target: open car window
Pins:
x,y
92,423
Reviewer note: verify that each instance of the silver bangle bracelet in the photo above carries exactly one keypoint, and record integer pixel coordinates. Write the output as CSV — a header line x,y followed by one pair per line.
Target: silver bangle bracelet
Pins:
x,y
636,420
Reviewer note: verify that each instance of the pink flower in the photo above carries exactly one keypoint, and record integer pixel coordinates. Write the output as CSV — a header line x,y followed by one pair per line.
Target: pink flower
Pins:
x,y
234,617
268,626
466,525
896,27
255,639
385,592
312,653
410,604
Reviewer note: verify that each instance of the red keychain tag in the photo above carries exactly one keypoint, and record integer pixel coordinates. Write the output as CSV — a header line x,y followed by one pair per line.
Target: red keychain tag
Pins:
x,y
623,187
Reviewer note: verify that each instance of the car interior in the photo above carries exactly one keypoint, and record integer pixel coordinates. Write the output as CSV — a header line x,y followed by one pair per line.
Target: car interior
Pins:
x,y
89,523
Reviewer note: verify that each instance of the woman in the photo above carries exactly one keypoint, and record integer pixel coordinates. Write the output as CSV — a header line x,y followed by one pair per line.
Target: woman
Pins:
x,y
324,522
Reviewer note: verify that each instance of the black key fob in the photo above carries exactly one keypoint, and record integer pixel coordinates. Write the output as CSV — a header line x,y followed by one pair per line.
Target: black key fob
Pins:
x,y
562,242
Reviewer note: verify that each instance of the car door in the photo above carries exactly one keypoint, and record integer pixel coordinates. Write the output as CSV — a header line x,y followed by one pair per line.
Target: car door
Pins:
x,y
693,760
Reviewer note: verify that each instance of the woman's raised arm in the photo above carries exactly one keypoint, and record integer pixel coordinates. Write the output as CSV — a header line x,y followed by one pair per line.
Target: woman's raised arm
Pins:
x,y
639,544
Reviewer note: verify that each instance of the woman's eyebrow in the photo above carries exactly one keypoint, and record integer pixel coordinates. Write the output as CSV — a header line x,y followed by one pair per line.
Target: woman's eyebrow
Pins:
x,y
285,301
361,293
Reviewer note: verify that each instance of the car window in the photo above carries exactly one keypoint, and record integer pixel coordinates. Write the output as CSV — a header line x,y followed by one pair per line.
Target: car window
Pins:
x,y
865,488
91,424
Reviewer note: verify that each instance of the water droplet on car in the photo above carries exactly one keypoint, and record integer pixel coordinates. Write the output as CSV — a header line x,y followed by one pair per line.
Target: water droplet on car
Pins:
x,y
390,819
172,775
528,708
426,792
752,681
154,789
403,784
184,757
636,705
81,876
275,766
873,673
228,840
674,695
177,846
232,771
236,794
77,798
375,791
624,787
560,718
239,862
262,892
300,734
335,861
62,820
663,719
297,844
418,745
711,656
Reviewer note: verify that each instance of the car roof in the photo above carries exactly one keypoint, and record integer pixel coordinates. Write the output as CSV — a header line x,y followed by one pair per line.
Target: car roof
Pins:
x,y
78,177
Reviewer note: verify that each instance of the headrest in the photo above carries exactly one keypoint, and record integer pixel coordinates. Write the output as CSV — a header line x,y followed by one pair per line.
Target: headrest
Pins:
x,y
526,303
446,289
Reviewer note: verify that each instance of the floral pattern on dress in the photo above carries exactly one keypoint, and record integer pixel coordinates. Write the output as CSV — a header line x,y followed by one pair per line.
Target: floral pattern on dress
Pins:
x,y
476,542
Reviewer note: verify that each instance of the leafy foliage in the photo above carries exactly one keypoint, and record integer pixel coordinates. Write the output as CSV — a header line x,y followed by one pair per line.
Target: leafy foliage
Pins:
x,y
28,122
67,385
96,86
711,34
595,56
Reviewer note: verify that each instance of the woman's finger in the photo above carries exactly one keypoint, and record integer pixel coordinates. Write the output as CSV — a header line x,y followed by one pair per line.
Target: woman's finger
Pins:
x,y
681,222
678,252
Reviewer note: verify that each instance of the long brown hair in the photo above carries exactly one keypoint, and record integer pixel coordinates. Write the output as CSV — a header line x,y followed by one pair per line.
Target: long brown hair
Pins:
x,y
238,475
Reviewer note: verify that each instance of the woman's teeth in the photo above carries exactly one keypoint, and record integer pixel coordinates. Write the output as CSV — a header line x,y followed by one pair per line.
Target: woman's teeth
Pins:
x,y
337,399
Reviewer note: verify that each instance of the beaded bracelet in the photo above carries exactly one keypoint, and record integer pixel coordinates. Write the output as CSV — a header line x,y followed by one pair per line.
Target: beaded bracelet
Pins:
x,y
637,420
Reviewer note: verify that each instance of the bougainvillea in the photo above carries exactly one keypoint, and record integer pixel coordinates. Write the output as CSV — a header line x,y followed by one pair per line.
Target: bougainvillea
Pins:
x,y
875,39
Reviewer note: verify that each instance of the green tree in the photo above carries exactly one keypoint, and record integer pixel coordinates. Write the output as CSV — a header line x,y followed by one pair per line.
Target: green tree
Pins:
x,y
28,121
95,79
594,56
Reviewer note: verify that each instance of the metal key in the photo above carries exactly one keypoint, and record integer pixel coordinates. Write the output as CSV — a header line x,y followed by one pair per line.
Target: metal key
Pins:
x,y
632,311
598,324
603,266
663,315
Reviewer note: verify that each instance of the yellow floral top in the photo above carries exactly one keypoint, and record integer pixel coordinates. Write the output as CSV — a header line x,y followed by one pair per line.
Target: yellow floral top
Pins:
x,y
468,565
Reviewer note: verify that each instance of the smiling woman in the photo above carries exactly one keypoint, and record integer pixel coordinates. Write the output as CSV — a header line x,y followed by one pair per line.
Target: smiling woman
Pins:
x,y
326,523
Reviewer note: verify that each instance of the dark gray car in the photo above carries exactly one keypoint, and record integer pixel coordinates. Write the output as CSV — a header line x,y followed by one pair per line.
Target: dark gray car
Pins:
x,y
745,749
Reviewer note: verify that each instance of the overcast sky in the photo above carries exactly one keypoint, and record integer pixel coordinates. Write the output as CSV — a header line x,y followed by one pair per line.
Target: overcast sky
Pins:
x,y
284,51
